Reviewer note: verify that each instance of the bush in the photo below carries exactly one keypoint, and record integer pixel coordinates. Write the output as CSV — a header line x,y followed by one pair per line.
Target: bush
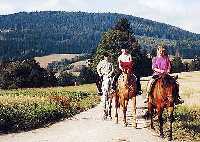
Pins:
x,y
24,74
187,123
87,75
177,65
33,108
65,79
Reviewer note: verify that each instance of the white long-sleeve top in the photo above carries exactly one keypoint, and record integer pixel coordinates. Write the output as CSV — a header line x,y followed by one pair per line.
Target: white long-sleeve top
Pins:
x,y
105,68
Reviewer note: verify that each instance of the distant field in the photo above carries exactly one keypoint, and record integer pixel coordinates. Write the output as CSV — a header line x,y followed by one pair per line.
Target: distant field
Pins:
x,y
44,60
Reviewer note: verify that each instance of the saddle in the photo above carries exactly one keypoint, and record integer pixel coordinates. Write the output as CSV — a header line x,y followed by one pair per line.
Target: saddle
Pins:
x,y
166,79
131,78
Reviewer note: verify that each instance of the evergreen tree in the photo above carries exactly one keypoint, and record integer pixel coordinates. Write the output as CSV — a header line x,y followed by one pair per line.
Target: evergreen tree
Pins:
x,y
117,38
177,65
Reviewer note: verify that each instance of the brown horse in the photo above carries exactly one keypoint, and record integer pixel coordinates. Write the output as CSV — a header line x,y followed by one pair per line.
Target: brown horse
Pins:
x,y
161,98
126,90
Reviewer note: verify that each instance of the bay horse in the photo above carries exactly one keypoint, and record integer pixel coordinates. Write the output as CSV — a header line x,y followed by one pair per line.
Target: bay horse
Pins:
x,y
162,97
126,89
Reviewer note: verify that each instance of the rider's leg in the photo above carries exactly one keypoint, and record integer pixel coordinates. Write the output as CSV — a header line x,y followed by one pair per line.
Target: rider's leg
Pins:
x,y
114,83
149,86
177,98
139,90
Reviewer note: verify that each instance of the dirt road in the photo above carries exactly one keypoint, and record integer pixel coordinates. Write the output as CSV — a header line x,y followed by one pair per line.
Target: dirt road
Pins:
x,y
88,126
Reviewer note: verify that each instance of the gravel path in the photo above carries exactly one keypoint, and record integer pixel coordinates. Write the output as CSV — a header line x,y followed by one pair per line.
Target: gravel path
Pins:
x,y
88,126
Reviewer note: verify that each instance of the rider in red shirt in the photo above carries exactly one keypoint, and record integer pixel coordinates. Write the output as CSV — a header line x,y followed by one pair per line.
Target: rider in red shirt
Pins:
x,y
125,61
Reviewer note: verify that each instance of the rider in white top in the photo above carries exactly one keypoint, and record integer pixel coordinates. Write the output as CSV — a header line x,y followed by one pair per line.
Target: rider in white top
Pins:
x,y
105,70
125,61
104,67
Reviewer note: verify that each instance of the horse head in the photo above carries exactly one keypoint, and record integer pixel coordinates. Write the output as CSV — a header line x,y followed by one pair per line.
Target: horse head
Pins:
x,y
168,80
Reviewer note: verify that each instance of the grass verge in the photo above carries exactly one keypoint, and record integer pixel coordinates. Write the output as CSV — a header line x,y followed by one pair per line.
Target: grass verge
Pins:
x,y
22,110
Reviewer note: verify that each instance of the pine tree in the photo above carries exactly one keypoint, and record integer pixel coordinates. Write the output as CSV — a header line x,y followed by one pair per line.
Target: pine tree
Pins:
x,y
117,38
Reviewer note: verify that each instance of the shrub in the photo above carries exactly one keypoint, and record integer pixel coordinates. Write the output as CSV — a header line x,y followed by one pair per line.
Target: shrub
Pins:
x,y
65,79
187,123
32,108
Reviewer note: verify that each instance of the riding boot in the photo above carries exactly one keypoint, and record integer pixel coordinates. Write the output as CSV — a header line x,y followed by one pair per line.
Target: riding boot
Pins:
x,y
178,100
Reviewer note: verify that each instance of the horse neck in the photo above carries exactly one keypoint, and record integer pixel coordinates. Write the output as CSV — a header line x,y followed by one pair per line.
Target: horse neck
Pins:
x,y
162,90
125,76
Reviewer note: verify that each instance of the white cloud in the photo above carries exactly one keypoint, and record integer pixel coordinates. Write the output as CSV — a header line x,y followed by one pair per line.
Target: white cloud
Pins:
x,y
181,13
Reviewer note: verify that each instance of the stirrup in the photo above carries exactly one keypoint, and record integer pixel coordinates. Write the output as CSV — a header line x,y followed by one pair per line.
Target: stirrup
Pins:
x,y
179,101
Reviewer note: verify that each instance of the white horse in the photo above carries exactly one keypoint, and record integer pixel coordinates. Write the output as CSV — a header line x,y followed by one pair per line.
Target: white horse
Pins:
x,y
107,98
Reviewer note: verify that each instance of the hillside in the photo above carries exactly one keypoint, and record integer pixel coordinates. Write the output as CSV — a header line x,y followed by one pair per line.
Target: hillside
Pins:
x,y
25,35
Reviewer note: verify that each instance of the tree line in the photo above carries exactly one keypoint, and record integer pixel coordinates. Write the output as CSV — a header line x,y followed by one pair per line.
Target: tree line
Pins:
x,y
27,73
26,35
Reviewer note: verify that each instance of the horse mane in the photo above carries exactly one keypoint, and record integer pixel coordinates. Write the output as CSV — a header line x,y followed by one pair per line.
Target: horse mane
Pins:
x,y
167,80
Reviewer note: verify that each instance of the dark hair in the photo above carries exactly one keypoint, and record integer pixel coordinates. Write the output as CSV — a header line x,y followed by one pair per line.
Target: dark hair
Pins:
x,y
106,54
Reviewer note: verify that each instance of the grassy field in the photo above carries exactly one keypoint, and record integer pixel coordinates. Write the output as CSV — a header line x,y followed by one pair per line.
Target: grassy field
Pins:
x,y
44,60
26,109
186,126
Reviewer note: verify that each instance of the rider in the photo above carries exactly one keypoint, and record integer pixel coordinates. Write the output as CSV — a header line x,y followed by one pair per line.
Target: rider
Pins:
x,y
161,64
125,64
125,61
105,67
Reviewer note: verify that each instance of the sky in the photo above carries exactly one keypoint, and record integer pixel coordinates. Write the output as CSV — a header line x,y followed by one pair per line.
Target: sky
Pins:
x,y
184,14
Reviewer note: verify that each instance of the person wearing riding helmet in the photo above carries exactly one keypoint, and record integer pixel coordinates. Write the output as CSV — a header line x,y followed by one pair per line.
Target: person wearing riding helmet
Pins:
x,y
161,64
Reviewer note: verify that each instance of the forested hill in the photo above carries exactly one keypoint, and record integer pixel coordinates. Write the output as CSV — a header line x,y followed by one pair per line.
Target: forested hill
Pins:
x,y
24,35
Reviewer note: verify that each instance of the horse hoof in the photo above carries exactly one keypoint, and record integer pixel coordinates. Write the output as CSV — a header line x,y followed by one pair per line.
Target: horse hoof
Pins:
x,y
169,139
125,124
152,128
104,117
161,136
116,121
109,118
134,125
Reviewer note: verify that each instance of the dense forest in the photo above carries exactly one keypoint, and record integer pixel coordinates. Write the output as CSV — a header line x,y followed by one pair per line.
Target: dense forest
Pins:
x,y
26,35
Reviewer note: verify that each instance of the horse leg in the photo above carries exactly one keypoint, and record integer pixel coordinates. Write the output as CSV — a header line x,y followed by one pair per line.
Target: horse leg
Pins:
x,y
134,111
170,113
116,107
125,103
110,107
105,105
150,111
161,123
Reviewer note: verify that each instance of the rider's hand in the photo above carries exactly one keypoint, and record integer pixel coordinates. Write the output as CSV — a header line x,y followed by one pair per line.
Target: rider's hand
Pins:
x,y
162,71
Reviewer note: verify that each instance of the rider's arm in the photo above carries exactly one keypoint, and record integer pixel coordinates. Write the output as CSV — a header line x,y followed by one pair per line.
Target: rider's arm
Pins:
x,y
168,65
99,66
130,58
119,62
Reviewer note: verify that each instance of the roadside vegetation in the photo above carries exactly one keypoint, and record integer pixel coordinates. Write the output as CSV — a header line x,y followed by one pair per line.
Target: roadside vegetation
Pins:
x,y
26,109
